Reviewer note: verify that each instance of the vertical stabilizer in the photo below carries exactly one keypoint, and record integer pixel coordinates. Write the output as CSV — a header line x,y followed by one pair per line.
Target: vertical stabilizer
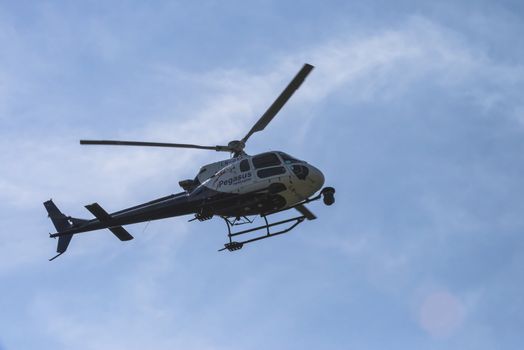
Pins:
x,y
61,223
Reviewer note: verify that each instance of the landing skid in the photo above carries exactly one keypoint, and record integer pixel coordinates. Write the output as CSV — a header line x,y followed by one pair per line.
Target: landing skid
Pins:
x,y
327,193
233,245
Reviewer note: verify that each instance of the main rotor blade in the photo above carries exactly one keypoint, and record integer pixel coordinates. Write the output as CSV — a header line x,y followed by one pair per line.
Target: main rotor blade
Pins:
x,y
280,101
150,144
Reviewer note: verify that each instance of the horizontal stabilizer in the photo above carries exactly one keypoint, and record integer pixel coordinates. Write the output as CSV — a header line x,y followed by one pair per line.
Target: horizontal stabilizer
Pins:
x,y
98,212
121,233
104,216
305,211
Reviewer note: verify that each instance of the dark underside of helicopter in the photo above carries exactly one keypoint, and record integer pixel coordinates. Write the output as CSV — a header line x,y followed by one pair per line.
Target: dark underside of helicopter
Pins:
x,y
266,193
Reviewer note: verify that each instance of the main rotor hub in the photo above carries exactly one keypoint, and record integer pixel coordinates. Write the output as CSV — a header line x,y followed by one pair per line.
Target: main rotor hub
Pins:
x,y
236,146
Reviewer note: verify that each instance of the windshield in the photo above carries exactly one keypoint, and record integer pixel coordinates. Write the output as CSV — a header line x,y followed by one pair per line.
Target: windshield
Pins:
x,y
288,159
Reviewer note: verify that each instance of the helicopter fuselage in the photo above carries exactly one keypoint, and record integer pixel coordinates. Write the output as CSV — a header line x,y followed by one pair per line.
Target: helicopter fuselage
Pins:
x,y
240,186
286,180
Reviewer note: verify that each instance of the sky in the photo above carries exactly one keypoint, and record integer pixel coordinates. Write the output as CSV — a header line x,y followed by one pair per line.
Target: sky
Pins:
x,y
414,113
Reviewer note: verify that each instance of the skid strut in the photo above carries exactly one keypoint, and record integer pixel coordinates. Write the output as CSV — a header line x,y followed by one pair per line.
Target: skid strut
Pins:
x,y
233,245
327,193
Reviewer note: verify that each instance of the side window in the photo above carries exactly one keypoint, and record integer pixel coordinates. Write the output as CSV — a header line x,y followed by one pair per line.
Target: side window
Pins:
x,y
265,160
271,172
244,165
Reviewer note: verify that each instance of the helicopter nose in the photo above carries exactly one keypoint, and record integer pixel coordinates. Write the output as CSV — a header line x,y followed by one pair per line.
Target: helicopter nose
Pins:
x,y
316,177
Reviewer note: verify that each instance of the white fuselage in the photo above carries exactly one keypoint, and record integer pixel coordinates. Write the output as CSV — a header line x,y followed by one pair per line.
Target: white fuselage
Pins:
x,y
245,174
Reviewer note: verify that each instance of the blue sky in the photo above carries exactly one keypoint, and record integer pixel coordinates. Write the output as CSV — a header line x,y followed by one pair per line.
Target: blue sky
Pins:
x,y
414,113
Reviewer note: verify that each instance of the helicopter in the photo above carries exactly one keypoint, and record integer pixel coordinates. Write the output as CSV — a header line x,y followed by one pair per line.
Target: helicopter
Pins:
x,y
238,190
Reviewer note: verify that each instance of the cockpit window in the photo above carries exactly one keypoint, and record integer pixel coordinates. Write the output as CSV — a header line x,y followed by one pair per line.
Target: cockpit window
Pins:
x,y
288,159
201,171
265,160
300,171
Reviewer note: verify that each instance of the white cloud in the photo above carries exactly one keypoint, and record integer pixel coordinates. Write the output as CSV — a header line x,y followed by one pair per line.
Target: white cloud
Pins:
x,y
386,65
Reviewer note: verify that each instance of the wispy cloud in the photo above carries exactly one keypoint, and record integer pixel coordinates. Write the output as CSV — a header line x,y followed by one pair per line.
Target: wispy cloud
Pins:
x,y
387,64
